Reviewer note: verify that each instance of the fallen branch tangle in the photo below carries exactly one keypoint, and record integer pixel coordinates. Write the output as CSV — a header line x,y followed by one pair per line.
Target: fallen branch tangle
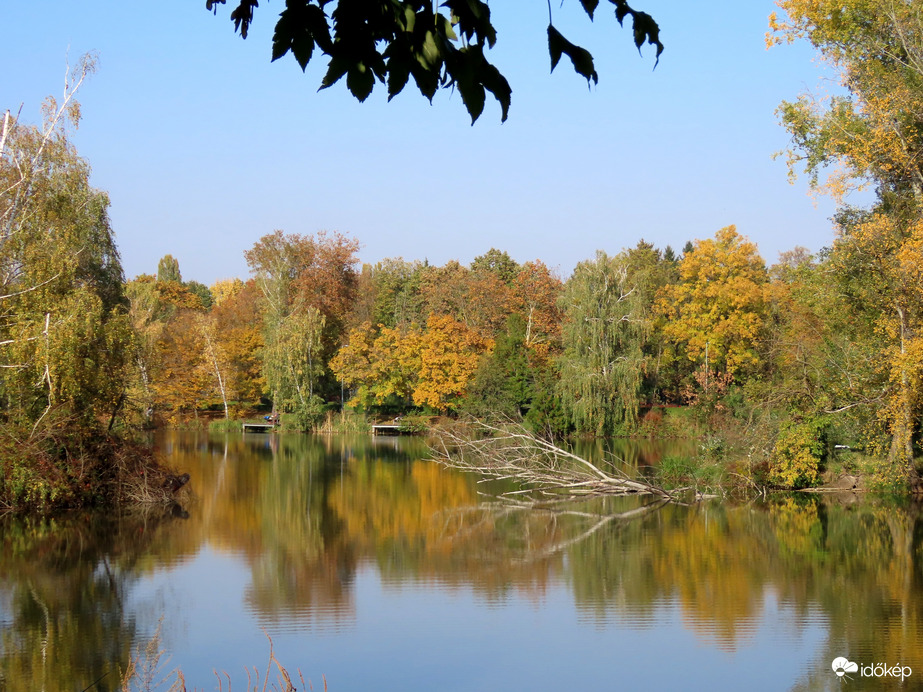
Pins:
x,y
510,452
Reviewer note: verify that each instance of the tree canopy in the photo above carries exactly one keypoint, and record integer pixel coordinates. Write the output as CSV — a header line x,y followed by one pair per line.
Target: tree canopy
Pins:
x,y
440,46
871,134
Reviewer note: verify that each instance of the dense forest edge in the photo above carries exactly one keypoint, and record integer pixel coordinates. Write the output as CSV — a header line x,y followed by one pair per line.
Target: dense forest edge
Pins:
x,y
790,375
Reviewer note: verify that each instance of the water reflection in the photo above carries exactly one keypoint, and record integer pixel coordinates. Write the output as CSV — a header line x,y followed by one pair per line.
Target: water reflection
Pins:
x,y
64,584
313,519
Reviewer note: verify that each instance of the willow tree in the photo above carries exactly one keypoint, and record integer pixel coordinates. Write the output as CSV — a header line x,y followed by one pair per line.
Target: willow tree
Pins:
x,y
606,324
871,135
293,364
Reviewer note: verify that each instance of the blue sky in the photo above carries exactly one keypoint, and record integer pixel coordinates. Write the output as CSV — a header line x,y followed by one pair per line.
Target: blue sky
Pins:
x,y
204,145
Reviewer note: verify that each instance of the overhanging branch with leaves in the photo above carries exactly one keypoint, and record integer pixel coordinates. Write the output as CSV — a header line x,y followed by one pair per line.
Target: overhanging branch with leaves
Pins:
x,y
442,46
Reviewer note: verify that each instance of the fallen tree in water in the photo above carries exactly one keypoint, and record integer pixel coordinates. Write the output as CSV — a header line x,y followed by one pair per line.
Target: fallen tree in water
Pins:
x,y
510,452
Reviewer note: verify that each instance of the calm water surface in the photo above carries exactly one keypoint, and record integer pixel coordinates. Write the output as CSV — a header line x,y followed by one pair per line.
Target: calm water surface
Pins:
x,y
384,572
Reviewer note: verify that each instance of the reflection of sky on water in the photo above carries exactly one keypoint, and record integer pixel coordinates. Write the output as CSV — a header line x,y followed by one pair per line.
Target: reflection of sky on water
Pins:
x,y
424,634
384,573
6,607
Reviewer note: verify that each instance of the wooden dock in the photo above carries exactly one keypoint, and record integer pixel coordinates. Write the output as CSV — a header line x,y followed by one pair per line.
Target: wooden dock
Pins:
x,y
389,429
258,427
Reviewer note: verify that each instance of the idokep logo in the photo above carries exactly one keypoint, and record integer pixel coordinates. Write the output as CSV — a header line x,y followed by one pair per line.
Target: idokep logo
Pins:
x,y
841,666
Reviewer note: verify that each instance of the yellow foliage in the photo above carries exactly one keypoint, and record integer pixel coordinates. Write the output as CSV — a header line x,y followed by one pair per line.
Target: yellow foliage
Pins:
x,y
380,363
225,288
431,367
872,134
449,355
720,302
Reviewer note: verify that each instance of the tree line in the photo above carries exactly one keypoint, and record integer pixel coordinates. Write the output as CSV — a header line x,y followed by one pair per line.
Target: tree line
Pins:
x,y
786,350
812,351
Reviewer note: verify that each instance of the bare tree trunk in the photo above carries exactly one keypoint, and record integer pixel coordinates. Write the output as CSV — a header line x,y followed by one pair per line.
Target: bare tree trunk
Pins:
x,y
5,132
511,452
211,353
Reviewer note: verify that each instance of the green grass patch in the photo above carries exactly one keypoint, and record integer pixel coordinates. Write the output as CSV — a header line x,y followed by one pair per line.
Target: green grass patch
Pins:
x,y
225,425
346,422
700,472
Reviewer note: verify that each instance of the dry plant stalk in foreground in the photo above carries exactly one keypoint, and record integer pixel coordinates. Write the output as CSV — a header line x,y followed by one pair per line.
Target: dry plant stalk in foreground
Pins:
x,y
145,673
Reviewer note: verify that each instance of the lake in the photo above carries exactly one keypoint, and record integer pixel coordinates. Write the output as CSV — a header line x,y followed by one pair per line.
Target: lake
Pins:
x,y
374,569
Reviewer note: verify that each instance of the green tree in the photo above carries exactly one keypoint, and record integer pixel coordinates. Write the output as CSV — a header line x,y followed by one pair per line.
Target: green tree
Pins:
x,y
168,269
496,262
604,333
502,384
65,337
397,292
439,46
292,364
66,341
649,271
202,292
308,284
871,134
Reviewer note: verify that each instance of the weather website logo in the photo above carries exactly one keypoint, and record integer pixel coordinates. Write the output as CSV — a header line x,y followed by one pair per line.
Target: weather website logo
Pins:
x,y
841,666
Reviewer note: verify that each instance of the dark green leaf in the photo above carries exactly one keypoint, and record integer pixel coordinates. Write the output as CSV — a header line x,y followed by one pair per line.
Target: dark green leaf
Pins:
x,y
398,74
303,48
580,57
335,70
473,20
589,6
430,51
427,80
390,40
282,37
556,44
319,28
243,15
645,28
497,85
473,97
360,80
293,32
409,19
445,27
622,10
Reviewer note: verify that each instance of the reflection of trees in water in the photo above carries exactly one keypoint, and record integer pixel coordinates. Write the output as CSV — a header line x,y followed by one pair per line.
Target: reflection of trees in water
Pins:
x,y
319,510
868,576
304,572
857,565
635,453
305,513
66,582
